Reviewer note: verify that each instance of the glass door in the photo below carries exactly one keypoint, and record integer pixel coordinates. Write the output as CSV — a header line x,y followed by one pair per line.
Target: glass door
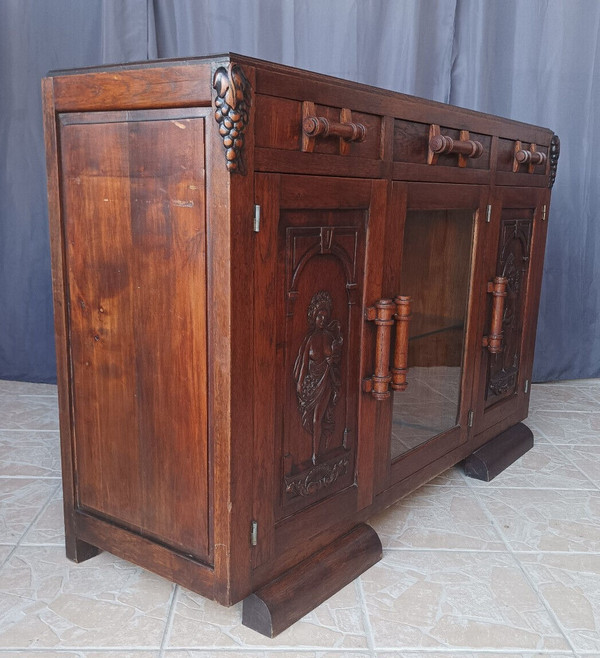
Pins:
x,y
432,266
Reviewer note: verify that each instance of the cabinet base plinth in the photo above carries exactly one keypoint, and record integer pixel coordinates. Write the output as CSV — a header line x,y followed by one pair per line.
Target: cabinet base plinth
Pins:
x,y
80,551
280,603
499,453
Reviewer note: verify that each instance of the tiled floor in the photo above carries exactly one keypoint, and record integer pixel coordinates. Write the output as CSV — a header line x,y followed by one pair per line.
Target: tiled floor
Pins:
x,y
509,568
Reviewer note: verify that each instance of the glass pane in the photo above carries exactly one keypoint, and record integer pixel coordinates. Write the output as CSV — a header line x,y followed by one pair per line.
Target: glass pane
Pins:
x,y
436,266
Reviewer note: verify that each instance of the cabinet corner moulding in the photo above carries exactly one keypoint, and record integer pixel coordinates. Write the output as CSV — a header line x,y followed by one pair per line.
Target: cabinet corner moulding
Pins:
x,y
232,109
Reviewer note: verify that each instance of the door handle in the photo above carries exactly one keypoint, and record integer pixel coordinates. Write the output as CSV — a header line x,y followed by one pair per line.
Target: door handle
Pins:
x,y
402,318
385,313
493,341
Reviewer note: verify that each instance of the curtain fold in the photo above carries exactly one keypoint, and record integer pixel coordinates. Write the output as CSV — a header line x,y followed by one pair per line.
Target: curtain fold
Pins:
x,y
535,61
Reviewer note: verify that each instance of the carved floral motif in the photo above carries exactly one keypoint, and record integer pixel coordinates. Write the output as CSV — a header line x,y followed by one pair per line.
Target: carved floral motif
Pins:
x,y
317,371
232,107
322,475
554,155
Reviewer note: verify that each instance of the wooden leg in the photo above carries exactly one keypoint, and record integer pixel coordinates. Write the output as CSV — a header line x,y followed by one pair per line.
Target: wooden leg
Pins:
x,y
280,603
499,453
80,551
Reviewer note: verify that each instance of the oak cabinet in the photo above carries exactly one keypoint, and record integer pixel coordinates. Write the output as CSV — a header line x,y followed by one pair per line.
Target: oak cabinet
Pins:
x,y
282,302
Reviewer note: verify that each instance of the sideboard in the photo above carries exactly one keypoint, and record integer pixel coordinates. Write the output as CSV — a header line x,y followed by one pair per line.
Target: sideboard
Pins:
x,y
283,301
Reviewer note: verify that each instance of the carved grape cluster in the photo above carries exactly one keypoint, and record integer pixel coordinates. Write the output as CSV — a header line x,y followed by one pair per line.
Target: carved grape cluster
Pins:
x,y
232,105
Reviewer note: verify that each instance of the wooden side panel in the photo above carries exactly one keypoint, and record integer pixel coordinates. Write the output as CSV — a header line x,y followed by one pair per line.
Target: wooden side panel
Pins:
x,y
135,239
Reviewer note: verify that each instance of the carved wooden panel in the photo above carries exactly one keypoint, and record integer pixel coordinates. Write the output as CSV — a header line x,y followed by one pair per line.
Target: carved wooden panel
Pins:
x,y
322,255
513,263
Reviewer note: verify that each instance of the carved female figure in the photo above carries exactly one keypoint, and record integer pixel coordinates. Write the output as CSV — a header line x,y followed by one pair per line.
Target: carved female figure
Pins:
x,y
317,372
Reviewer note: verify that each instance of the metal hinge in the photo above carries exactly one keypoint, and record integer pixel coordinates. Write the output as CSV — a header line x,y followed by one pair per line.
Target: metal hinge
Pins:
x,y
254,533
526,388
488,213
256,219
470,418
544,210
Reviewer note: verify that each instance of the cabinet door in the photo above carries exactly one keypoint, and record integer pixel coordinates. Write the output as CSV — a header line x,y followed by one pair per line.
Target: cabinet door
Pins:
x,y
432,257
310,266
516,255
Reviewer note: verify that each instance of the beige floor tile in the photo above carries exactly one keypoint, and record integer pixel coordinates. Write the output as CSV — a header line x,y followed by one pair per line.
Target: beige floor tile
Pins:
x,y
586,459
543,467
560,397
546,520
25,412
437,518
469,654
200,623
49,527
242,652
20,501
455,600
80,654
30,454
26,388
570,585
567,428
5,551
48,602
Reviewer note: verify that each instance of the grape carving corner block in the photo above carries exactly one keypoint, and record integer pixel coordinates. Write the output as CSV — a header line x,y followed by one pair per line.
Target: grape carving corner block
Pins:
x,y
232,110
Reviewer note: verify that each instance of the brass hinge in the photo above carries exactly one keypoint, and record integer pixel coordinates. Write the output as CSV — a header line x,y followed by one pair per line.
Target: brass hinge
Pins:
x,y
254,533
470,418
488,213
544,210
256,219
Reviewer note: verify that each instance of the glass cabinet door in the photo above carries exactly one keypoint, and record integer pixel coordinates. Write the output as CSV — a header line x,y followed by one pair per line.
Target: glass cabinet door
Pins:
x,y
431,269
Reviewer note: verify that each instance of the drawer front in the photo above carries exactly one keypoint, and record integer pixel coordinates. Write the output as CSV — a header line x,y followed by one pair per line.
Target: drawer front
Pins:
x,y
531,164
412,145
281,123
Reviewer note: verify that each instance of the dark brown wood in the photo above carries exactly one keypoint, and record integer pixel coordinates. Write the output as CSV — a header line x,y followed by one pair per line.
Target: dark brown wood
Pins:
x,y
402,318
382,315
498,454
276,606
497,288
211,266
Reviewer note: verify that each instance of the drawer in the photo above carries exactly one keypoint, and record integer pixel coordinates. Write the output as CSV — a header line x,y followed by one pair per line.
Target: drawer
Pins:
x,y
337,131
412,139
532,164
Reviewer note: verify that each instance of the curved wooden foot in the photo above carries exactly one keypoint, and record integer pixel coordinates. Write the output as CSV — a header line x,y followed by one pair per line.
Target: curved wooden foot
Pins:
x,y
499,453
280,603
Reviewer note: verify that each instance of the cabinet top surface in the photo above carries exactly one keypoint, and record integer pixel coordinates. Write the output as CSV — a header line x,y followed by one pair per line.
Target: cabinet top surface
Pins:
x,y
176,70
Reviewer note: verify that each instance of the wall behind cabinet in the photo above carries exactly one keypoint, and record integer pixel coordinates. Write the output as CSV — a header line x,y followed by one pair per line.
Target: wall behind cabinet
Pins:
x,y
536,61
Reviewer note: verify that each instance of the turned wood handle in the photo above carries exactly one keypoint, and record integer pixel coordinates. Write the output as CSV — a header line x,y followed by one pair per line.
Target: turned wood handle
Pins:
x,y
493,341
470,148
382,314
530,157
400,367
320,126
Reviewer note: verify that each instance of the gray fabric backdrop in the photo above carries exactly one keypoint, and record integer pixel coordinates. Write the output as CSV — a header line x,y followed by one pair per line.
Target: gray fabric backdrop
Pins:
x,y
536,61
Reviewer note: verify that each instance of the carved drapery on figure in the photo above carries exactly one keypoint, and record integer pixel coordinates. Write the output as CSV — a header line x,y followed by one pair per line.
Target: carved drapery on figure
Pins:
x,y
232,108
317,371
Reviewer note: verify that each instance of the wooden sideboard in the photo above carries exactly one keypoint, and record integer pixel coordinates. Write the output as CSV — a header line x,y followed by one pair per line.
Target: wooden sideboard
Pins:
x,y
283,301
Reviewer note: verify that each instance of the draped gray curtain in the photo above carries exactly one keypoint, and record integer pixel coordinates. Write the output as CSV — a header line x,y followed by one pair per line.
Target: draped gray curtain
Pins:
x,y
536,61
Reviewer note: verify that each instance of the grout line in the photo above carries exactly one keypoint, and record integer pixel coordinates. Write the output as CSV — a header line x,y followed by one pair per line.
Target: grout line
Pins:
x,y
33,522
365,614
169,622
587,477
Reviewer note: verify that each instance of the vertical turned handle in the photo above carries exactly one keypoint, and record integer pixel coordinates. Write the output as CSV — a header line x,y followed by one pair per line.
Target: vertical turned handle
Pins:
x,y
400,368
382,314
497,288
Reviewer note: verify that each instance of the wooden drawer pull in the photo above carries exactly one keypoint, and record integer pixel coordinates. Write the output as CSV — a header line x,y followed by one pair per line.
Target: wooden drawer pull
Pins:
x,y
320,126
497,288
530,157
400,367
470,148
382,314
